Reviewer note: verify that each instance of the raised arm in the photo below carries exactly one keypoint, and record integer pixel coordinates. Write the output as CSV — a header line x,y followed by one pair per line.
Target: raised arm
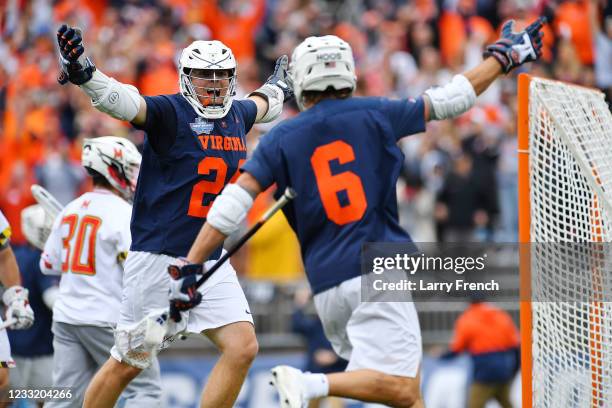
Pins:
x,y
277,90
510,51
121,101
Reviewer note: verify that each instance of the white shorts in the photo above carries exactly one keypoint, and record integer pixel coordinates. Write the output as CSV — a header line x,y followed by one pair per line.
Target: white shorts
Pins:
x,y
6,361
381,336
145,289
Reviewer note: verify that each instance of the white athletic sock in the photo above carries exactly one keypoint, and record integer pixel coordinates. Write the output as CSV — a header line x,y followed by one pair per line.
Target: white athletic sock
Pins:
x,y
316,385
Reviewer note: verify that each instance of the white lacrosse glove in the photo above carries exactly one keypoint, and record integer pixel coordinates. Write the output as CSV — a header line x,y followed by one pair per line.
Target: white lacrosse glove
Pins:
x,y
19,310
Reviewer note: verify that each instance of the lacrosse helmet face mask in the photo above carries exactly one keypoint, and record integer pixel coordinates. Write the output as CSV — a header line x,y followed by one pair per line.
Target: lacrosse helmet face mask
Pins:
x,y
322,62
207,78
116,159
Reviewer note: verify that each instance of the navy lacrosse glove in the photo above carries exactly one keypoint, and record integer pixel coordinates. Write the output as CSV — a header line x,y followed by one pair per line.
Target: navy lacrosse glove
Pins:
x,y
281,78
184,293
75,67
515,49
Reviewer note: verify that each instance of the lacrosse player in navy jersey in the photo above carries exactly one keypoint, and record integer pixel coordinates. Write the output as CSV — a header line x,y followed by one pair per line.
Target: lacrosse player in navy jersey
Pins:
x,y
195,143
341,157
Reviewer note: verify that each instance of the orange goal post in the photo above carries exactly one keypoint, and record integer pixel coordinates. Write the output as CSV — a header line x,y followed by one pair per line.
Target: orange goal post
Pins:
x,y
565,235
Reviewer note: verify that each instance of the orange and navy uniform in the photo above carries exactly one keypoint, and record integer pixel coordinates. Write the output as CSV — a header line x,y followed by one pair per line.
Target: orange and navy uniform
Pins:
x,y
490,336
186,162
341,157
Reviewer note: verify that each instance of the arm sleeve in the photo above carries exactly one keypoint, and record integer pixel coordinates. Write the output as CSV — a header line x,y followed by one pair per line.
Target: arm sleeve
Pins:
x,y
248,111
265,163
51,258
47,285
160,124
406,116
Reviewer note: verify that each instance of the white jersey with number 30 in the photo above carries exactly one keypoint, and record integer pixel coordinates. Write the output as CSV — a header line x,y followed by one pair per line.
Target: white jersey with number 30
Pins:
x,y
88,245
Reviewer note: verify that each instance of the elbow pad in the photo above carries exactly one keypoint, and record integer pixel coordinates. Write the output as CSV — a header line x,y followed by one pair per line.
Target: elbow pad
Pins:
x,y
275,97
452,99
110,96
230,209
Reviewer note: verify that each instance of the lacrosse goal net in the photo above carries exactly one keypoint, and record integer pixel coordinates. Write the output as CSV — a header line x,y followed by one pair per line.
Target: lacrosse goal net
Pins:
x,y
565,229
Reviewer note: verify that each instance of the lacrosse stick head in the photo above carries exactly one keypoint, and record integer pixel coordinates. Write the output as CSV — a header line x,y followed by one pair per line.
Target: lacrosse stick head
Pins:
x,y
36,225
46,200
138,344
7,323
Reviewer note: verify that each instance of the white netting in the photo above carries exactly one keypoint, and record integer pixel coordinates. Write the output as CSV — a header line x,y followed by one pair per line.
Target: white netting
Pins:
x,y
570,151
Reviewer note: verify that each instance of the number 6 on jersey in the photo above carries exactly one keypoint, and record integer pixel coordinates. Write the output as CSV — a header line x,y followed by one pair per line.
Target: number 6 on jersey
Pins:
x,y
330,185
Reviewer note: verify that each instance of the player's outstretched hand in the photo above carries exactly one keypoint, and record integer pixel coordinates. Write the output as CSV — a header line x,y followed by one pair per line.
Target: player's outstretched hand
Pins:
x,y
18,307
281,78
515,49
184,293
75,67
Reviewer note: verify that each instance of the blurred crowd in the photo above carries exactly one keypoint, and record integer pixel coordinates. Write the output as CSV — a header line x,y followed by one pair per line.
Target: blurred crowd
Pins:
x,y
460,177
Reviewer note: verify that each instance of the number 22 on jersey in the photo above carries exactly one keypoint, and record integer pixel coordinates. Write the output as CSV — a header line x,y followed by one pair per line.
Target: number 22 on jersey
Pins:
x,y
331,184
206,165
86,229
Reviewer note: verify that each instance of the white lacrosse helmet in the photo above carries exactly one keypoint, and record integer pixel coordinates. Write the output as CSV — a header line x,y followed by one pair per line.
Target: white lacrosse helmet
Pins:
x,y
215,79
116,159
36,225
322,62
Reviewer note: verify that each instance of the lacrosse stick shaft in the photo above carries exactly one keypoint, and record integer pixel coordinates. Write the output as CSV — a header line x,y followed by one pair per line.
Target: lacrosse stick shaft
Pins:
x,y
162,319
7,323
46,200
287,196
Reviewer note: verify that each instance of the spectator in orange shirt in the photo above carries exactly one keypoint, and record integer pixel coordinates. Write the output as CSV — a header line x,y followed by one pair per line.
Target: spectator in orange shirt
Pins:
x,y
235,25
572,22
14,198
456,27
160,76
491,338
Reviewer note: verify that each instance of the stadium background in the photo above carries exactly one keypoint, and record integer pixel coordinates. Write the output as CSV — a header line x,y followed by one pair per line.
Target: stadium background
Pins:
x,y
401,48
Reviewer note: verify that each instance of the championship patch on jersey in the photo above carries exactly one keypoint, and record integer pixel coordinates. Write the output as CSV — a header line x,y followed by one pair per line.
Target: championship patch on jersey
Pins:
x,y
201,126
4,237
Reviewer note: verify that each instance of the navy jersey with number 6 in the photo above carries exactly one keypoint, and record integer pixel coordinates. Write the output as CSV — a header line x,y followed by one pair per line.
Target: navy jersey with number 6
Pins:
x,y
186,162
342,158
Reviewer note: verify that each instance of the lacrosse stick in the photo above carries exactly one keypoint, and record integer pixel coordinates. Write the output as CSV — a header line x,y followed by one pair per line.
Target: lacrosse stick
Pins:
x,y
138,342
46,200
7,323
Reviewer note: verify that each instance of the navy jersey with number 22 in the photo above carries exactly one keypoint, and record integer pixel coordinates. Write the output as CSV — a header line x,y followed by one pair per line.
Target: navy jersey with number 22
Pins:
x,y
342,158
186,162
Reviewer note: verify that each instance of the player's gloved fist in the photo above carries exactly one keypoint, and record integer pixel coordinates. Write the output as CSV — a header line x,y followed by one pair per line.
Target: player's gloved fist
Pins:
x,y
184,293
18,307
514,49
281,79
75,67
